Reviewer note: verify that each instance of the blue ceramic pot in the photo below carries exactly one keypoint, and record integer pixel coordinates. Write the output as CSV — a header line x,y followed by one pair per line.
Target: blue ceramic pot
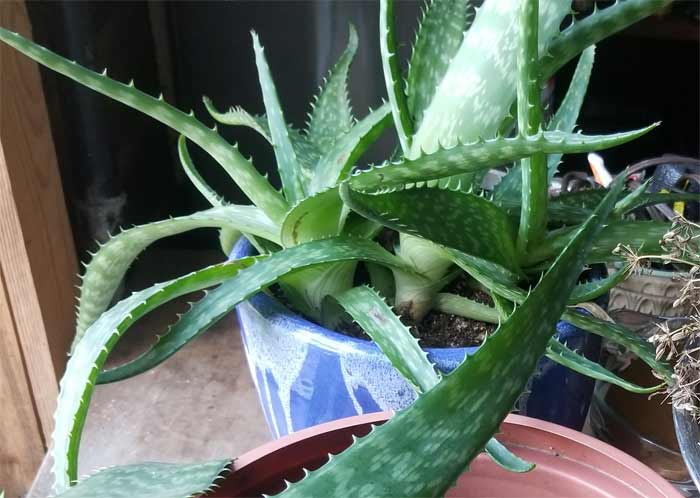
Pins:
x,y
307,375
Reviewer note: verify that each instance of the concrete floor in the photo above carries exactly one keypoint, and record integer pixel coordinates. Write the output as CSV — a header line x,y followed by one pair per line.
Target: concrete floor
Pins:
x,y
199,404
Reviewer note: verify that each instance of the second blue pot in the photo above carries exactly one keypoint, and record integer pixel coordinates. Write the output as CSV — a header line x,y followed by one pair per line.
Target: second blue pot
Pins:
x,y
307,375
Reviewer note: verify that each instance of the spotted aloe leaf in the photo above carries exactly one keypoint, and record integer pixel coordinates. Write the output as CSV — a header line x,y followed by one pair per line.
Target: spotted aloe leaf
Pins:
x,y
651,199
108,266
439,36
434,426
336,163
533,210
501,282
288,166
392,75
376,318
267,271
484,154
639,235
594,28
564,120
439,215
241,170
331,116
91,352
558,352
155,480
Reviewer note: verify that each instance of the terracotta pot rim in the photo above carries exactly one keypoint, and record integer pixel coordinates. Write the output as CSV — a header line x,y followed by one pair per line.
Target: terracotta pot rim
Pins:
x,y
588,442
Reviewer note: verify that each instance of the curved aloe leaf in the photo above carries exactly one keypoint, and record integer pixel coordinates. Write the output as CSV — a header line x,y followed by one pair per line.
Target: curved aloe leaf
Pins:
x,y
220,301
502,282
90,354
534,192
439,36
588,291
237,116
651,199
484,154
559,353
564,120
227,236
306,152
154,480
241,170
448,426
109,265
376,318
642,235
331,116
319,216
439,216
335,164
287,164
594,28
392,75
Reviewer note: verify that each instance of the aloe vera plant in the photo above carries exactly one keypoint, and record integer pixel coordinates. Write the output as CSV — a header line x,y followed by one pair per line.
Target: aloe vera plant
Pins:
x,y
452,115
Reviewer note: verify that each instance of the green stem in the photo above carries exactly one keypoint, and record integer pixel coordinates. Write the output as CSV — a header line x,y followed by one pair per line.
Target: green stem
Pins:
x,y
462,306
533,215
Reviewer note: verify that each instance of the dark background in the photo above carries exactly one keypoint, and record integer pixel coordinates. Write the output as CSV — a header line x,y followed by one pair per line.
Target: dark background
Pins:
x,y
120,168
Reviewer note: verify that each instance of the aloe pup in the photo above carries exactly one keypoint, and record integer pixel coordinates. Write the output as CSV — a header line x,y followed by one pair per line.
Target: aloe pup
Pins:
x,y
311,234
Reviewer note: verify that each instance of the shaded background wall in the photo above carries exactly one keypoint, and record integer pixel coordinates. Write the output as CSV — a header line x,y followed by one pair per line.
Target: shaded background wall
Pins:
x,y
120,168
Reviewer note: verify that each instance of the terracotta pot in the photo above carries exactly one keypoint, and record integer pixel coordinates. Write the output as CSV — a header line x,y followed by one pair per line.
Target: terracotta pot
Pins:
x,y
569,463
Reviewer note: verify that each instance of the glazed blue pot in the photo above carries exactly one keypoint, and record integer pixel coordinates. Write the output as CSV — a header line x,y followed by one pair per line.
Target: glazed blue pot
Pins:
x,y
307,375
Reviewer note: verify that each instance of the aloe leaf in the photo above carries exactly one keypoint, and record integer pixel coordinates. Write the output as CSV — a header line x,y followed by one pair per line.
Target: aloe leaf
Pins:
x,y
109,265
478,87
567,114
556,211
306,152
564,120
381,279
484,154
331,117
376,318
227,236
626,205
588,291
620,335
559,353
505,459
319,216
438,215
241,170
154,480
584,199
439,36
342,155
287,164
644,236
534,192
392,75
91,352
501,282
237,116
594,28
449,425
220,301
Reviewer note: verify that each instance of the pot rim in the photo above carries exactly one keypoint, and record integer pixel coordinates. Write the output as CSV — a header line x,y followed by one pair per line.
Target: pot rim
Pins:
x,y
553,431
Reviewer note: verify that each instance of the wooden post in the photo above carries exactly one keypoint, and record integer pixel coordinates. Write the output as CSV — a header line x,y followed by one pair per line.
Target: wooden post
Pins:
x,y
38,265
